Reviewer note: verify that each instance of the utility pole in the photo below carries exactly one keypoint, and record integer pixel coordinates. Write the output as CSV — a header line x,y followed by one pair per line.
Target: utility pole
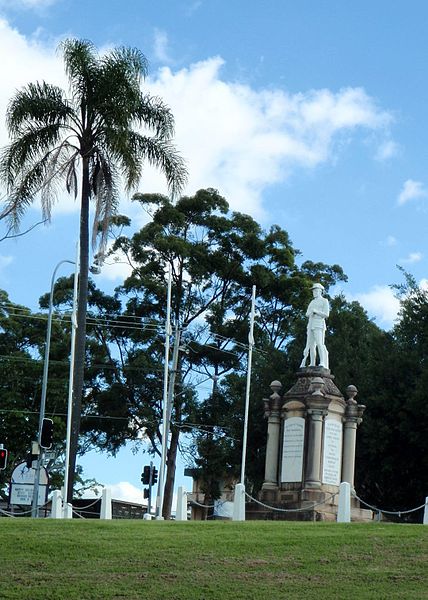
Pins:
x,y
159,499
247,391
34,507
71,379
170,399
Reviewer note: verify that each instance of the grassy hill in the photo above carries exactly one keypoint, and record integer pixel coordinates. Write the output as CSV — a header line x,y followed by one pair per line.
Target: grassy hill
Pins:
x,y
86,560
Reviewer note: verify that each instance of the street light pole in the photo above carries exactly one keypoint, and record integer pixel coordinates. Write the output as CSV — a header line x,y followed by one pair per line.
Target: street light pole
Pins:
x,y
161,484
71,379
247,390
44,390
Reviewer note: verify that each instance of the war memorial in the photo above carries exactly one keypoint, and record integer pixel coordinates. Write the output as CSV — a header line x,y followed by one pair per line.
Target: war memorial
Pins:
x,y
312,431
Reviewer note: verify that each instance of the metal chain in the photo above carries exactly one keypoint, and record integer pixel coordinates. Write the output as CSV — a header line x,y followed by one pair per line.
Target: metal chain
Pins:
x,y
388,512
87,506
4,512
290,509
202,505
23,512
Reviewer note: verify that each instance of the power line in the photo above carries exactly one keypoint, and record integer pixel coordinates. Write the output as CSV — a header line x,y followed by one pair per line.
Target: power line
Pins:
x,y
40,362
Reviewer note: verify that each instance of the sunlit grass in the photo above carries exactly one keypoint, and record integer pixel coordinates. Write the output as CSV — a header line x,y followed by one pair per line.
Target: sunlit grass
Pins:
x,y
85,560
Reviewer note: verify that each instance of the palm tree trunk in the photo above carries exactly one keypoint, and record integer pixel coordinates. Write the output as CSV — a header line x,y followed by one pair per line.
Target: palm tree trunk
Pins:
x,y
79,356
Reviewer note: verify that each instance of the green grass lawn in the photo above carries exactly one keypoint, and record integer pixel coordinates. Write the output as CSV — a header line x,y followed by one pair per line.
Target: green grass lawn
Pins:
x,y
85,560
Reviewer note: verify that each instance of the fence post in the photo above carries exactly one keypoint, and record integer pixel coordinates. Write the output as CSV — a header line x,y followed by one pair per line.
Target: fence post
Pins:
x,y
239,503
56,508
181,509
344,508
105,512
67,511
425,521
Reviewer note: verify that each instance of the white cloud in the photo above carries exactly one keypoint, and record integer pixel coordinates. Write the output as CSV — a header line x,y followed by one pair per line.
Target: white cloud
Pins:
x,y
32,60
192,7
389,241
411,190
386,150
119,491
126,491
412,258
161,47
5,261
116,270
380,303
26,4
235,138
5,275
241,140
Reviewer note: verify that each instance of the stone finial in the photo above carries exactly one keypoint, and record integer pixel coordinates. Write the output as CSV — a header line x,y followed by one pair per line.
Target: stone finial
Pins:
x,y
275,386
273,403
351,392
317,383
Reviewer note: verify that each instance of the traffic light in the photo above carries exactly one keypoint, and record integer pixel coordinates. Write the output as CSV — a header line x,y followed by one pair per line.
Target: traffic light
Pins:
x,y
154,476
146,493
33,455
29,459
3,458
145,475
47,433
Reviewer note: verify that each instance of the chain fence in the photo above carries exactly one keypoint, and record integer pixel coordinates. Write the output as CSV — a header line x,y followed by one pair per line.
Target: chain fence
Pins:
x,y
399,513
21,512
301,509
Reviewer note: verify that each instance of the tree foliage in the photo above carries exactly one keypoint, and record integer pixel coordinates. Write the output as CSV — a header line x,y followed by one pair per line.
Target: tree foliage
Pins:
x,y
215,258
22,346
88,142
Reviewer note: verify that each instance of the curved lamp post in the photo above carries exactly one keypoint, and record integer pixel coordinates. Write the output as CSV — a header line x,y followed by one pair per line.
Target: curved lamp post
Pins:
x,y
44,387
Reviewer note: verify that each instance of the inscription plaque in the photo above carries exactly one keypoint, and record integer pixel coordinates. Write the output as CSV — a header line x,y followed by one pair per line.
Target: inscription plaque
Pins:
x,y
332,455
292,450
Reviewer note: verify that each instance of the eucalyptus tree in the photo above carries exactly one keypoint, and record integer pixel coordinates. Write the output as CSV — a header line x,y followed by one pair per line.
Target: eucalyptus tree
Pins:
x,y
90,141
22,346
215,257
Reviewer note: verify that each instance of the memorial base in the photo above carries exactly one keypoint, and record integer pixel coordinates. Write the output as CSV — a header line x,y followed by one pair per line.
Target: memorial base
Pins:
x,y
311,449
303,500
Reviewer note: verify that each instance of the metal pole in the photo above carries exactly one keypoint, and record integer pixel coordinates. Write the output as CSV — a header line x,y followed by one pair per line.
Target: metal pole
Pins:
x,y
71,376
149,499
160,495
175,352
247,391
44,390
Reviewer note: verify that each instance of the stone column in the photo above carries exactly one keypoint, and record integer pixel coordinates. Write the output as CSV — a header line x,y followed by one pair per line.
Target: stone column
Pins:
x,y
352,418
313,465
272,412
316,412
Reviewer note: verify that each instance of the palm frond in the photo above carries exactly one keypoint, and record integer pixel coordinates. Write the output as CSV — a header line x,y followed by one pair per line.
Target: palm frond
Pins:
x,y
82,68
60,163
156,115
37,105
163,155
123,149
130,62
104,180
26,150
71,179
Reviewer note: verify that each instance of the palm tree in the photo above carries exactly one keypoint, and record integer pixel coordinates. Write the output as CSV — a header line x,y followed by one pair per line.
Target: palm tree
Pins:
x,y
99,136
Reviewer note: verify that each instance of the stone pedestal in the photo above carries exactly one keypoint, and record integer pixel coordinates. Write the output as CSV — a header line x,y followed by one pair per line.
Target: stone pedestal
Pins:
x,y
273,415
311,446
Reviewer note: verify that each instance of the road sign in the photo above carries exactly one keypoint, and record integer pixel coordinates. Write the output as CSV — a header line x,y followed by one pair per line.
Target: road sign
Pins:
x,y
22,483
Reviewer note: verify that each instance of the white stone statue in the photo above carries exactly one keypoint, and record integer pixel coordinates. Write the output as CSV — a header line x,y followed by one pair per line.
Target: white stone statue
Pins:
x,y
317,312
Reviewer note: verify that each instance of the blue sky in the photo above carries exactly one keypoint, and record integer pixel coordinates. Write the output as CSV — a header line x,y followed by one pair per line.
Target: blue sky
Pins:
x,y
309,114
